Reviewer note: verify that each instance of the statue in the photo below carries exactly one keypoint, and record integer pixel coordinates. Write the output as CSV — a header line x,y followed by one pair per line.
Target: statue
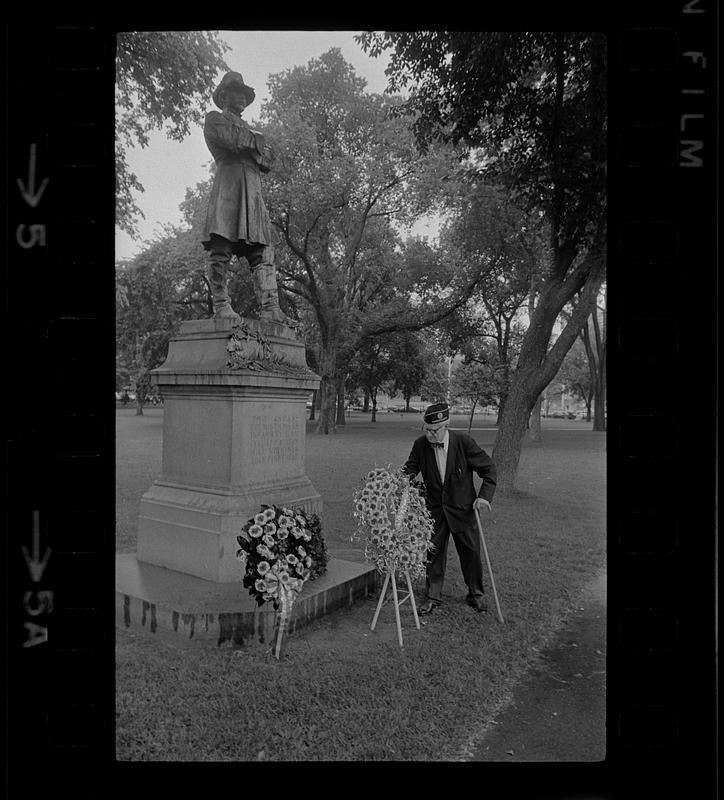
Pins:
x,y
237,221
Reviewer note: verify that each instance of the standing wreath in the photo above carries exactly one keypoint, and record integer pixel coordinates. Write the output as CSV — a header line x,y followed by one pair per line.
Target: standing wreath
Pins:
x,y
281,548
393,521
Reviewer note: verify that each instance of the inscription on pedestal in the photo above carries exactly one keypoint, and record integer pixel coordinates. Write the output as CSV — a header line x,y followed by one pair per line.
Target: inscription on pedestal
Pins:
x,y
275,439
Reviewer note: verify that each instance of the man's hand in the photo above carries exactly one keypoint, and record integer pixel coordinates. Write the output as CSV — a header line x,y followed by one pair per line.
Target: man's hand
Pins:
x,y
480,504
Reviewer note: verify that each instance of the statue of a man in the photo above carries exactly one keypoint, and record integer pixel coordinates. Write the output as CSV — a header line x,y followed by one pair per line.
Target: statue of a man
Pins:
x,y
237,221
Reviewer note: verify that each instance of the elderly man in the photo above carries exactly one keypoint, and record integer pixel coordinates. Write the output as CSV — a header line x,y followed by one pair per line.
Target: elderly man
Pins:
x,y
447,460
237,221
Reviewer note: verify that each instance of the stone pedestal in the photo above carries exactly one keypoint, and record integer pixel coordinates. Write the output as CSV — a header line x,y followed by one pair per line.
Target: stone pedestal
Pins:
x,y
183,610
233,438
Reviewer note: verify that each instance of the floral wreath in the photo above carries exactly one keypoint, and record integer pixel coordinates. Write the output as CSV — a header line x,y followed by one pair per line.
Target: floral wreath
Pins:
x,y
393,521
281,548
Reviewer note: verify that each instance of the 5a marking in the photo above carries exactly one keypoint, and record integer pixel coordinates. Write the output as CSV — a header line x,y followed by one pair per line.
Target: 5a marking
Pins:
x,y
36,602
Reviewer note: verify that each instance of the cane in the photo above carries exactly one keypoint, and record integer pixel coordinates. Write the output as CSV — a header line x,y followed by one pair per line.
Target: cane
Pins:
x,y
490,569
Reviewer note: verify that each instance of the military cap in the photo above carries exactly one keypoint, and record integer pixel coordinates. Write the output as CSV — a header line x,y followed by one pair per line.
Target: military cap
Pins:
x,y
437,412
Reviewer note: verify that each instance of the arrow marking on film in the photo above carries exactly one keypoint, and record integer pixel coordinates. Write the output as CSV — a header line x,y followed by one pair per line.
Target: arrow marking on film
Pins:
x,y
31,197
36,565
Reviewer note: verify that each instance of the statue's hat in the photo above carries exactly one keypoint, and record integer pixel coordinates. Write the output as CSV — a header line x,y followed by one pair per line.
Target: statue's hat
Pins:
x,y
233,79
437,412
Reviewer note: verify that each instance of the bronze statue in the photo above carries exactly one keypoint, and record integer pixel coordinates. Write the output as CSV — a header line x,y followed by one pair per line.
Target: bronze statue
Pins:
x,y
237,221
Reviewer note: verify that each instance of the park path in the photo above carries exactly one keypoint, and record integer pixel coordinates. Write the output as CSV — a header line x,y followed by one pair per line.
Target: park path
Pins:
x,y
558,711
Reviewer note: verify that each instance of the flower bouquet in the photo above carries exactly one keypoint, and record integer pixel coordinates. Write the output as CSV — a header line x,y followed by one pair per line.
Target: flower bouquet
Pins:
x,y
281,548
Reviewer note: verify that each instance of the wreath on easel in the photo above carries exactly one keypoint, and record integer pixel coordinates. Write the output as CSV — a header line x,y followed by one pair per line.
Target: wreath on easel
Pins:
x,y
396,527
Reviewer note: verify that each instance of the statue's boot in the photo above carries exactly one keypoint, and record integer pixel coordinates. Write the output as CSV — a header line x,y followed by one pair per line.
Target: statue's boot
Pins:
x,y
265,285
216,272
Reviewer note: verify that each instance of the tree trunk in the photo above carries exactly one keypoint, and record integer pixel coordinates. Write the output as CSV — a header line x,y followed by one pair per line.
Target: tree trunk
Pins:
x,y
366,401
327,390
373,397
537,363
408,397
508,442
534,422
472,414
501,407
599,399
314,405
341,419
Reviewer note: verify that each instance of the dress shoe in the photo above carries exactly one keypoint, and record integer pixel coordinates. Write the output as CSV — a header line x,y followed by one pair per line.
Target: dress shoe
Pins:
x,y
428,607
477,603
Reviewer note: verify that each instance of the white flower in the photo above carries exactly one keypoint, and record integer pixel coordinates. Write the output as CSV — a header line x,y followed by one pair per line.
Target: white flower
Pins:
x,y
260,585
270,541
262,567
302,552
256,531
282,533
292,559
260,519
269,514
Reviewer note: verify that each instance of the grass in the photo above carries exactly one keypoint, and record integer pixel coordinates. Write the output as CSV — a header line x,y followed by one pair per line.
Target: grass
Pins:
x,y
344,692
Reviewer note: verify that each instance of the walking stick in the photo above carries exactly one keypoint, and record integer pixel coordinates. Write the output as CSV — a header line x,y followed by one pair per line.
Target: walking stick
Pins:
x,y
487,561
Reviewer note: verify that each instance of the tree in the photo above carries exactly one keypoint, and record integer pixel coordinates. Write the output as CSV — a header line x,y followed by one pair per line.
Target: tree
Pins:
x,y
155,291
575,375
530,107
372,366
475,383
162,79
346,168
411,365
593,338
487,227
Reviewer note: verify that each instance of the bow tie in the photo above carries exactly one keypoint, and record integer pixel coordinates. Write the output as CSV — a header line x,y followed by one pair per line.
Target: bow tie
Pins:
x,y
437,444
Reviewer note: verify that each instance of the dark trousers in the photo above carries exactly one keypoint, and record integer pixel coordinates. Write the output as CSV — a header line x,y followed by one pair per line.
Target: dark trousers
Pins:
x,y
467,543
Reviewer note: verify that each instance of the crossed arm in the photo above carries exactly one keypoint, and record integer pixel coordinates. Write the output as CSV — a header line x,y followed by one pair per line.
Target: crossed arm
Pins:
x,y
238,138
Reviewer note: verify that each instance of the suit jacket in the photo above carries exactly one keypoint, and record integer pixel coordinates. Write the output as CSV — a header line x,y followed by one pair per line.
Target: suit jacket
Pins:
x,y
453,498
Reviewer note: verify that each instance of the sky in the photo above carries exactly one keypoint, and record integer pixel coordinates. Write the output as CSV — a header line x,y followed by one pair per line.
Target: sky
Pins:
x,y
166,168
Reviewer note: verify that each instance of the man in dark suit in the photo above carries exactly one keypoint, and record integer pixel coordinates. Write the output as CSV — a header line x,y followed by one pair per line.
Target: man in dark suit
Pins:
x,y
447,460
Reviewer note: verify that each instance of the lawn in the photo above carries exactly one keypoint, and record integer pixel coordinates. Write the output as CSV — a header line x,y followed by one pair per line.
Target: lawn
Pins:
x,y
344,692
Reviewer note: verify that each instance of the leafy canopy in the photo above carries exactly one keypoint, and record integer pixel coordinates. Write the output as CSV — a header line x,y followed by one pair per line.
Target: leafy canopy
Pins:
x,y
529,106
164,80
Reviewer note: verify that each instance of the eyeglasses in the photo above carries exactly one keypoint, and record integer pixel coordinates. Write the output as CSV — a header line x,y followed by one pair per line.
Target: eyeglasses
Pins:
x,y
439,429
